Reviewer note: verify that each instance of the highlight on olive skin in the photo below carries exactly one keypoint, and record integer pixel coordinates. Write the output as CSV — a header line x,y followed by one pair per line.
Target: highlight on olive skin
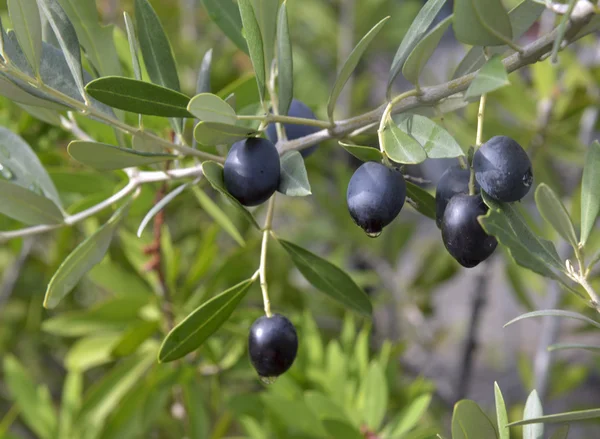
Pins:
x,y
503,169
375,196
252,171
272,345
295,131
455,180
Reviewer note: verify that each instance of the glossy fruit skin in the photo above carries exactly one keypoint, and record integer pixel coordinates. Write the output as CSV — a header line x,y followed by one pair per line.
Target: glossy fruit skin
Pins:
x,y
375,196
293,131
252,170
273,345
455,180
462,234
503,169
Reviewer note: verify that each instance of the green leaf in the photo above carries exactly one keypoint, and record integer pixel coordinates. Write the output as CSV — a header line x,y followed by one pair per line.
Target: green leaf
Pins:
x,y
199,421
435,140
492,76
27,206
255,44
203,80
294,414
213,133
108,157
323,406
160,206
555,313
349,66
20,165
364,153
139,96
423,50
561,433
44,114
581,415
214,174
563,346
67,38
590,191
225,14
190,333
521,19
25,17
266,16
285,64
408,418
501,415
562,28
481,22
470,422
17,94
211,108
399,146
96,40
91,351
373,397
81,260
421,200
133,338
294,179
553,211
415,33
133,47
218,215
70,403
34,402
342,429
156,51
329,279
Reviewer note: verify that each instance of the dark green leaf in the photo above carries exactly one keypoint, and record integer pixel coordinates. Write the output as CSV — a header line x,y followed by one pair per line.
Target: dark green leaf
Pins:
x,y
553,211
581,415
25,17
139,96
329,279
435,140
481,22
226,15
408,418
108,157
211,108
416,31
294,179
285,65
501,415
364,153
590,191
255,44
189,334
27,206
555,313
373,397
350,64
132,339
213,133
492,76
341,429
399,146
421,200
266,16
533,409
218,215
133,47
470,422
423,50
81,260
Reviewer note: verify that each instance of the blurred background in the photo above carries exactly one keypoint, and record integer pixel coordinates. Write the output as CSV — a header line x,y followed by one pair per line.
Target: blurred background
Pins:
x,y
437,328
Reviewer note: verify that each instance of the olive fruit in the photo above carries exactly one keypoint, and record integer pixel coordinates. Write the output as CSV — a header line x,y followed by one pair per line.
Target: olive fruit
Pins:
x,y
375,196
273,345
503,169
252,171
455,180
295,131
462,234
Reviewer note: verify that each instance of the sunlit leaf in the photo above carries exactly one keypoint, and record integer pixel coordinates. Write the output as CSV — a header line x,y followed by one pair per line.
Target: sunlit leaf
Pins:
x,y
435,140
501,415
399,146
211,108
533,409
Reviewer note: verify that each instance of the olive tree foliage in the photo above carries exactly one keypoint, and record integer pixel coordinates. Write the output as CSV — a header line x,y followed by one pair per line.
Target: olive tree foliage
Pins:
x,y
46,74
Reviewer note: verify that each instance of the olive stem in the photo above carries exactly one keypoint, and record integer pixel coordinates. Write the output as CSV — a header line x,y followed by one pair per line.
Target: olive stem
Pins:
x,y
277,118
262,269
478,139
274,102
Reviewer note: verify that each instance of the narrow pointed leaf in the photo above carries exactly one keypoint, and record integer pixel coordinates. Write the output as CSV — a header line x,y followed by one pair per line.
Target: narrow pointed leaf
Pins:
x,y
423,50
533,409
203,80
329,279
160,206
226,15
27,24
139,96
189,334
553,211
399,146
590,191
255,44
214,174
133,47
470,422
408,418
294,179
341,428
70,403
285,64
266,16
373,397
108,157
421,200
364,153
481,22
582,415
415,33
218,215
492,76
81,260
214,133
563,346
501,415
350,64
555,313
211,108
434,139
561,433
27,206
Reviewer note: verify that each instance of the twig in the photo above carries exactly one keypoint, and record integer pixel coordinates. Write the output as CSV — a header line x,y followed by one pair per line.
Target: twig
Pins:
x,y
262,269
